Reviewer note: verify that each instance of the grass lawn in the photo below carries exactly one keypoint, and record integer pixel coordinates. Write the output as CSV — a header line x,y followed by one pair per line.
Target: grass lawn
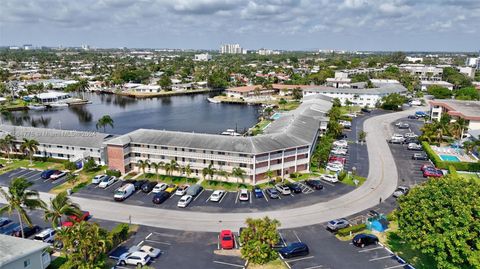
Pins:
x,y
276,264
349,109
291,105
16,163
349,180
84,178
258,128
169,179
220,185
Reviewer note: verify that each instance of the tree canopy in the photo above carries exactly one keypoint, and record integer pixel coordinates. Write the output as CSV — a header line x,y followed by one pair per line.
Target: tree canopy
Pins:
x,y
441,218
393,101
258,239
439,92
467,93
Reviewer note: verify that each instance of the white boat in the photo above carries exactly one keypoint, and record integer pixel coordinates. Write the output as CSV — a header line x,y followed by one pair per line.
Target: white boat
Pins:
x,y
58,105
213,100
231,132
36,107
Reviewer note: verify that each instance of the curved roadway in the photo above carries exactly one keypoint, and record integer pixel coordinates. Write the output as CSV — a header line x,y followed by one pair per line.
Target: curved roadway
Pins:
x,y
381,183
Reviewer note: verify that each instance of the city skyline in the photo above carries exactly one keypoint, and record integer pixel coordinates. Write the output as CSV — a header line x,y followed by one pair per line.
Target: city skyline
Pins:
x,y
206,24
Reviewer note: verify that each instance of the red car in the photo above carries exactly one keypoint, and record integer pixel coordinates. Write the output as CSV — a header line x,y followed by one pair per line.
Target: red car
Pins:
x,y
337,159
71,219
226,239
432,172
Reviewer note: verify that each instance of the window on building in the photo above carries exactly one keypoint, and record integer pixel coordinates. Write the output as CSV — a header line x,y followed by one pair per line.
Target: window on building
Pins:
x,y
59,147
243,165
26,263
163,147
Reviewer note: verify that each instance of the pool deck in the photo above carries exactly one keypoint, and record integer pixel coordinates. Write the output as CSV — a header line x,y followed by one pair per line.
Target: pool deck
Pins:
x,y
458,153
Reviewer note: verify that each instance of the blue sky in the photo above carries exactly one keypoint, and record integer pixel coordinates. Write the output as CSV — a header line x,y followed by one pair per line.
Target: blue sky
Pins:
x,y
431,25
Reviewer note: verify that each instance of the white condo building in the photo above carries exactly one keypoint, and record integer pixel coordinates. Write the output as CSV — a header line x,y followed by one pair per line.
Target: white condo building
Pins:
x,y
232,49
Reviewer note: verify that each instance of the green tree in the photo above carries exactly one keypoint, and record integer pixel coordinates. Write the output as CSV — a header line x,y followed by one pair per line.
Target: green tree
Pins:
x,y
103,122
208,171
173,166
72,178
29,146
165,82
439,92
468,93
60,206
393,101
297,93
142,164
452,75
258,239
239,173
282,102
156,167
90,165
441,219
18,199
362,135
6,144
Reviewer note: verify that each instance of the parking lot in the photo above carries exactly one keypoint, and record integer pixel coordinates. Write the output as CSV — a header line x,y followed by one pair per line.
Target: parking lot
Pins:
x,y
39,184
229,202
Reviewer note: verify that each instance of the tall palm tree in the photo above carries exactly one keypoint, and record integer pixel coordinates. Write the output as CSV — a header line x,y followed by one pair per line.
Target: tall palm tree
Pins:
x,y
156,167
168,168
29,146
142,164
458,128
19,198
239,173
103,122
6,144
188,170
60,206
208,171
173,166
269,174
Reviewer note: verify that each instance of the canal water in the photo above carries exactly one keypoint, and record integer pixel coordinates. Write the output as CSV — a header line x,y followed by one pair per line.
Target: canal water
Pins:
x,y
191,113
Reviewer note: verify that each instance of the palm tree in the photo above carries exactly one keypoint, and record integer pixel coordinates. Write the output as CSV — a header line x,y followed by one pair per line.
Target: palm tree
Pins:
x,y
173,166
29,146
223,174
20,198
103,122
6,144
60,206
156,167
458,127
188,170
208,171
239,173
269,174
142,164
168,168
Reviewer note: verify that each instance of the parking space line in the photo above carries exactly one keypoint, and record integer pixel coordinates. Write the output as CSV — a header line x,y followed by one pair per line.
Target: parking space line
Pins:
x,y
296,235
396,266
196,197
314,267
265,196
141,242
218,242
283,240
148,236
300,259
224,195
380,258
366,250
250,198
34,175
236,199
227,263
159,242
112,184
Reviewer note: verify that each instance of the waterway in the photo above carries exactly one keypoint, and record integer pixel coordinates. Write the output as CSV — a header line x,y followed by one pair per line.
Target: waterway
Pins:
x,y
191,113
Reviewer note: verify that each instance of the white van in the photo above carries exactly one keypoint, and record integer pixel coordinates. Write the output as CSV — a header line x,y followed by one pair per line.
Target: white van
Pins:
x,y
47,236
124,192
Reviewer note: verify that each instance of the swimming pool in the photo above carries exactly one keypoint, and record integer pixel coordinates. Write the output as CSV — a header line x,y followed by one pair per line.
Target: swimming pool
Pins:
x,y
276,116
449,158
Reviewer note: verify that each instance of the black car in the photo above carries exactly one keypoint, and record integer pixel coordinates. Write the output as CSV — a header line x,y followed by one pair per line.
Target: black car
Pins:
x,y
294,250
366,110
9,228
160,197
47,173
128,181
139,183
294,187
4,221
412,117
362,240
27,231
420,156
314,184
148,186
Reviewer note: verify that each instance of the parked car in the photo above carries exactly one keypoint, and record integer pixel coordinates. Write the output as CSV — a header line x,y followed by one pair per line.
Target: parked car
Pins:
x,y
420,156
366,110
426,166
272,193
151,251
363,240
412,117
258,192
283,189
98,178
194,190
216,196
124,192
185,200
8,229
182,190
421,114
148,186
414,146
47,173
139,183
160,197
339,159
160,187
136,258
243,196
332,178
128,181
401,190
339,151
404,126
72,219
107,181
340,143
57,174
46,236
171,188
429,172
337,224
294,250
345,124
334,167
227,240
4,221
410,135
314,184
294,187
27,231
397,139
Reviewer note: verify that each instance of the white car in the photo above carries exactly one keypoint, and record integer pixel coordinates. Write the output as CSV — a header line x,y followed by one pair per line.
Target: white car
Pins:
x,y
107,181
329,178
340,143
243,196
334,167
185,200
345,124
414,146
151,251
216,196
182,190
411,135
96,179
136,258
160,187
339,151
283,189
58,175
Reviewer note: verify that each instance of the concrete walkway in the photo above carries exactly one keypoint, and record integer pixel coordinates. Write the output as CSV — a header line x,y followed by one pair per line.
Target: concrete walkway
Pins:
x,y
381,183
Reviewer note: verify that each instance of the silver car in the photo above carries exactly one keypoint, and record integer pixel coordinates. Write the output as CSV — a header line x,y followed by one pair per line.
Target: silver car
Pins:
x,y
337,224
401,190
283,189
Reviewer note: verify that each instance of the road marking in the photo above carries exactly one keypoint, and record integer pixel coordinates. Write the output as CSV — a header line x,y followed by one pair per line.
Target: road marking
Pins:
x,y
196,197
218,242
164,234
396,266
328,183
296,235
366,250
225,194
313,267
29,171
237,245
231,264
300,259
141,242
159,242
283,240
34,175
250,198
264,196
236,199
116,181
148,236
381,258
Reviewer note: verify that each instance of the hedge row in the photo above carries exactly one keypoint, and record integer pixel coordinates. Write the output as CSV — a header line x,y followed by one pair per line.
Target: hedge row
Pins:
x,y
119,234
459,166
352,229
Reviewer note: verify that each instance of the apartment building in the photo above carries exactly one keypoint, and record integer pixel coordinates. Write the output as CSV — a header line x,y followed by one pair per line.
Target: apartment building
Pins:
x,y
468,110
203,57
18,253
424,84
284,148
424,72
59,144
232,49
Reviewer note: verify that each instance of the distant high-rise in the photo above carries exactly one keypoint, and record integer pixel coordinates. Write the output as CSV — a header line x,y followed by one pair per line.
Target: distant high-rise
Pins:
x,y
27,46
232,49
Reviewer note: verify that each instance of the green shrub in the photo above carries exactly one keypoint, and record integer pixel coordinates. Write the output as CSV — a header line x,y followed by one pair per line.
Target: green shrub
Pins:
x,y
342,175
114,173
57,263
352,229
70,166
119,234
293,175
452,170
